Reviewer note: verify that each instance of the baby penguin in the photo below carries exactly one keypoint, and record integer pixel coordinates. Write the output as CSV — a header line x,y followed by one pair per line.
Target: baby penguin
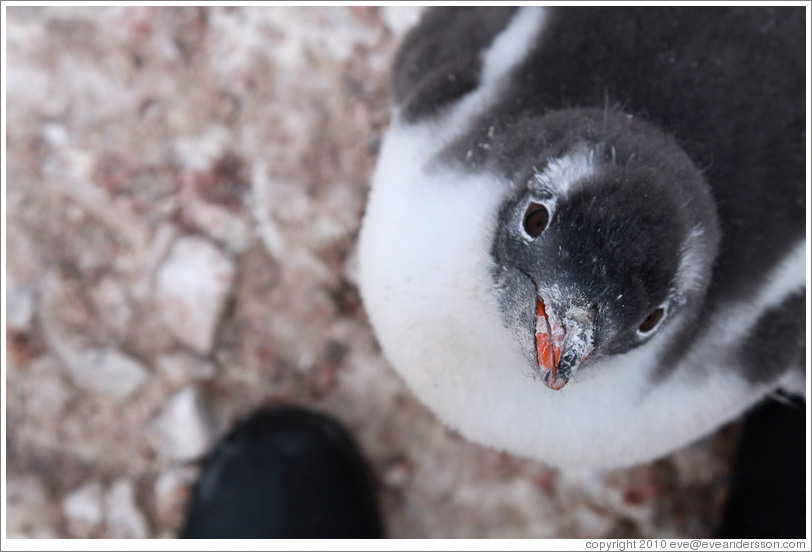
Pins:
x,y
585,238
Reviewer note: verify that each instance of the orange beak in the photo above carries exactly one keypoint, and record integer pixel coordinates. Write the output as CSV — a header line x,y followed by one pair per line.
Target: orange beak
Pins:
x,y
549,341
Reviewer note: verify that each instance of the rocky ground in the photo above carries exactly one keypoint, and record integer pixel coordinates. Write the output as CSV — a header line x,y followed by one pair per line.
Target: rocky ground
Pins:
x,y
184,191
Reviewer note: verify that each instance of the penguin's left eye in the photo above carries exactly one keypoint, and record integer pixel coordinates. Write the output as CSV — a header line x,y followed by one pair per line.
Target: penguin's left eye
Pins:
x,y
536,219
652,321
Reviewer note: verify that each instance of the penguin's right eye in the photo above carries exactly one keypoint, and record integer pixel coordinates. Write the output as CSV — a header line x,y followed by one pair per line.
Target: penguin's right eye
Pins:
x,y
536,219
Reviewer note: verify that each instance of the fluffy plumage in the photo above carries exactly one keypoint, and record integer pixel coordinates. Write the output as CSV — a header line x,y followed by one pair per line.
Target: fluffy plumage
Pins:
x,y
666,147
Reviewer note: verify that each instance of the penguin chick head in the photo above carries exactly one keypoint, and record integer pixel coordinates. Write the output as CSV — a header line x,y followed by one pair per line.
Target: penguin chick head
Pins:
x,y
608,237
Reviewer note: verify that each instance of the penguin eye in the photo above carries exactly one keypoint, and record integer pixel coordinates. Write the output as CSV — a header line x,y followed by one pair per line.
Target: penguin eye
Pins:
x,y
652,320
536,219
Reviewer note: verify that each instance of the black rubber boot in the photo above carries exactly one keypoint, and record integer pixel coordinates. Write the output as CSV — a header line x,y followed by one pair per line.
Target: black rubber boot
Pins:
x,y
768,489
284,473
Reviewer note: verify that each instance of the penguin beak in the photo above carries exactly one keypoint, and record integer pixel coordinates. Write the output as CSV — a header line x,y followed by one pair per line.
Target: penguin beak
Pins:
x,y
562,345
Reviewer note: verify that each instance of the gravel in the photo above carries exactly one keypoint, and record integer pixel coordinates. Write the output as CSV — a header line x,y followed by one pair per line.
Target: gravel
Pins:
x,y
193,284
184,426
83,510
